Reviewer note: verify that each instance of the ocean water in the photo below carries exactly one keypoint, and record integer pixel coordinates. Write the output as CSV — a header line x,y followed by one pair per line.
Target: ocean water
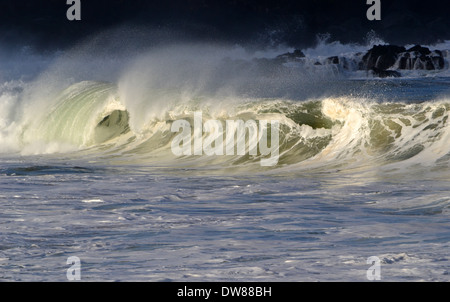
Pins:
x,y
86,168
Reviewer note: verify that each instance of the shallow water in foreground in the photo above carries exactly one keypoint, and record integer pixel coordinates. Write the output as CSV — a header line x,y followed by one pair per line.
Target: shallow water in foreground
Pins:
x,y
133,224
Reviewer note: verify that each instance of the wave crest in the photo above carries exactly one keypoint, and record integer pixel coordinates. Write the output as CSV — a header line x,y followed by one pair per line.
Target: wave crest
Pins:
x,y
89,116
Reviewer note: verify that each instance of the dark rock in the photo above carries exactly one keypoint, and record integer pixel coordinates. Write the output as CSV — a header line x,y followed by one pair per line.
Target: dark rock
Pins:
x,y
438,52
439,62
427,62
419,57
333,60
381,57
385,73
420,49
349,64
404,60
297,54
317,63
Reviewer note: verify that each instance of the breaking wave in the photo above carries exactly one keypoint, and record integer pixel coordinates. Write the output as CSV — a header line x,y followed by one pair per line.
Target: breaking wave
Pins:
x,y
127,117
90,117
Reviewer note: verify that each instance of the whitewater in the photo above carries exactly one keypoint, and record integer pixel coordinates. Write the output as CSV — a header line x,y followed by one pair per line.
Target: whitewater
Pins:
x,y
87,170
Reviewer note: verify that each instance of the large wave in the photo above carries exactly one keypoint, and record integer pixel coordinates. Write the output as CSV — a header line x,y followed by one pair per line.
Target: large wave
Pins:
x,y
90,116
127,115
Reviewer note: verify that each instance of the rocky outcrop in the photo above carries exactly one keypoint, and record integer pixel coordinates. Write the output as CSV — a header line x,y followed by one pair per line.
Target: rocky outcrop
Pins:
x,y
385,73
419,57
380,61
386,60
381,57
332,60
291,56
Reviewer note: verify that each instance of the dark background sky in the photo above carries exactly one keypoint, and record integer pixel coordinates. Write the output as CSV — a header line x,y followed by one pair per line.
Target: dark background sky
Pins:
x,y
43,23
